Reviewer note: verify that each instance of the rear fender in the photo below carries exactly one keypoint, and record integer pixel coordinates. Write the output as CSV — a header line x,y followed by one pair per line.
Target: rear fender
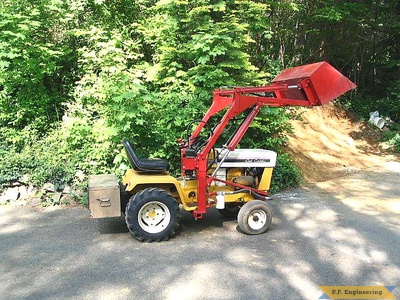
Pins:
x,y
136,181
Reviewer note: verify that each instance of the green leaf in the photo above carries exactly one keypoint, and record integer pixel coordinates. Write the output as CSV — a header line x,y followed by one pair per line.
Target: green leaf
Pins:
x,y
203,59
4,64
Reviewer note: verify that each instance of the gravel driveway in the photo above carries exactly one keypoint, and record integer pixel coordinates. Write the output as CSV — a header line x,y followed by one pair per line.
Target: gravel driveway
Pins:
x,y
339,232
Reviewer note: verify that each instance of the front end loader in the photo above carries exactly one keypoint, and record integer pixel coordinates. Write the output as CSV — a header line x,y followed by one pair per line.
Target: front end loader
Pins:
x,y
234,181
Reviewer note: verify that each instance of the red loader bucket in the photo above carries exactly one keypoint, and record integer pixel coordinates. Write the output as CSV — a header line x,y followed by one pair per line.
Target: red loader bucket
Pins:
x,y
317,83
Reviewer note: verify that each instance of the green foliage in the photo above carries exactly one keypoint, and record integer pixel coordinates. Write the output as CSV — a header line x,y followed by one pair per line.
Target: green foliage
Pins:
x,y
33,80
392,136
268,130
40,161
391,104
285,174
395,142
363,105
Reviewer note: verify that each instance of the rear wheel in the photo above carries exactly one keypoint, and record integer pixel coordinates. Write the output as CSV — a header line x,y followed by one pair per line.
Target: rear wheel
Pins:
x,y
254,217
124,195
152,215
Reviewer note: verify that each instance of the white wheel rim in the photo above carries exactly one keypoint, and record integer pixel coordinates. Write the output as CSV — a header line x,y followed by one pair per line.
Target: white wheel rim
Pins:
x,y
257,219
154,217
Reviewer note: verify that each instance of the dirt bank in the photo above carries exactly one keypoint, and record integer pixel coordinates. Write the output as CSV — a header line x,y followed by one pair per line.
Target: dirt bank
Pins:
x,y
328,142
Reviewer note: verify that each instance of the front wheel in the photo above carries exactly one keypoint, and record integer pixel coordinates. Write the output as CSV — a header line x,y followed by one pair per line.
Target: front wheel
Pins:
x,y
254,217
152,215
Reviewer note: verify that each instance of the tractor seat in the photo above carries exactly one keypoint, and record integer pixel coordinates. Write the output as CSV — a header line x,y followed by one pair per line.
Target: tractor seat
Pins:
x,y
144,164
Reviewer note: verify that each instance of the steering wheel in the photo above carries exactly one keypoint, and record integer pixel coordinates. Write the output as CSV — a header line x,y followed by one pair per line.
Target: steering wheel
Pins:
x,y
199,142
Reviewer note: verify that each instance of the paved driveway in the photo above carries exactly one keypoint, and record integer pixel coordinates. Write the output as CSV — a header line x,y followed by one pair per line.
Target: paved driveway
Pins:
x,y
323,234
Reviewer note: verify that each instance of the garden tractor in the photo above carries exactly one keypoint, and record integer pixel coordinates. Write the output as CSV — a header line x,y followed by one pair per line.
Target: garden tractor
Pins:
x,y
234,181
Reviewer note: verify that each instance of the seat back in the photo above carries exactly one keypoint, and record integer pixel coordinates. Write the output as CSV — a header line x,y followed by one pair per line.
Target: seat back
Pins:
x,y
131,154
144,165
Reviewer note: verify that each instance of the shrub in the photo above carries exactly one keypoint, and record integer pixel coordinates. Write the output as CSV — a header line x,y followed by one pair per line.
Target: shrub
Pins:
x,y
285,174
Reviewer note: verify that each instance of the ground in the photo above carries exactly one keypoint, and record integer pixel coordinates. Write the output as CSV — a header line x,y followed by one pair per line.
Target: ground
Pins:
x,y
328,142
317,238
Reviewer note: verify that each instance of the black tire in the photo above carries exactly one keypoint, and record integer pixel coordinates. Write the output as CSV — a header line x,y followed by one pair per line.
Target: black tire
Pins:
x,y
152,215
124,196
231,210
254,217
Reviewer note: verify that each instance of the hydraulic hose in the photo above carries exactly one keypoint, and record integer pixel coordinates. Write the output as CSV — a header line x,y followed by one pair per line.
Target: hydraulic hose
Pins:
x,y
258,196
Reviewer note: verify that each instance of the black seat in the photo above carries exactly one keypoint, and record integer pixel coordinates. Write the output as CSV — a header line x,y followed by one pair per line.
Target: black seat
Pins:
x,y
144,164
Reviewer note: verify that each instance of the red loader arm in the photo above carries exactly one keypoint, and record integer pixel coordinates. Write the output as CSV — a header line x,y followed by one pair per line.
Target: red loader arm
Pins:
x,y
308,85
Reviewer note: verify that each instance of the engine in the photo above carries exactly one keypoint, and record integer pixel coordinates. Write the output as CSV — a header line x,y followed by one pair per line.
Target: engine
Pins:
x,y
246,166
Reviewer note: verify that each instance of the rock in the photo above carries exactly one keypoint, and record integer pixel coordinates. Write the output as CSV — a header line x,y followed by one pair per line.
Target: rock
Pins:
x,y
67,190
56,198
3,201
32,191
24,179
67,199
12,184
350,170
80,175
78,193
20,202
23,192
49,187
350,142
11,194
35,202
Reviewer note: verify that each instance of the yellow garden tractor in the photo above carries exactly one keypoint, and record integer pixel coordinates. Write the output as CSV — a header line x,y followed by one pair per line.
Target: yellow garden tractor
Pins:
x,y
234,181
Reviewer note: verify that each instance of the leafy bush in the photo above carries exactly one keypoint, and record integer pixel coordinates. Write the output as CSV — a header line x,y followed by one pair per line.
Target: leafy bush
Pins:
x,y
285,174
392,102
363,104
392,136
37,164
33,78
395,142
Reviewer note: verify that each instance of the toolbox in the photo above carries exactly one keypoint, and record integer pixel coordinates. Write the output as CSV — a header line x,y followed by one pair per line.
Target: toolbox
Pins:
x,y
104,196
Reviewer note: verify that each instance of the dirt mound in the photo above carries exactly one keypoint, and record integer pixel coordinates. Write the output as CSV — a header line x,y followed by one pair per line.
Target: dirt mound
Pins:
x,y
328,142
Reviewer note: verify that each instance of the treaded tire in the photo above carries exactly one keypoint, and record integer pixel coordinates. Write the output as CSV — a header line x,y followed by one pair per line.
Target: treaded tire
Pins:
x,y
152,215
125,196
254,217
